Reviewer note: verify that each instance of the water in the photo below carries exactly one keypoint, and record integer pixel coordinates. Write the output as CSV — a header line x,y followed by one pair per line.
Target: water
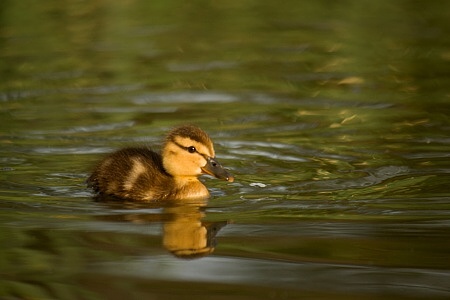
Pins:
x,y
332,116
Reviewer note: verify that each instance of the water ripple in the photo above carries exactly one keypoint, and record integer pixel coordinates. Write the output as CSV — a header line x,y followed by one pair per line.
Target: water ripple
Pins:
x,y
184,97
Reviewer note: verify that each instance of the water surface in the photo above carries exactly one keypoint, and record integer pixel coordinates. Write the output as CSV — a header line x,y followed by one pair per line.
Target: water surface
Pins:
x,y
332,116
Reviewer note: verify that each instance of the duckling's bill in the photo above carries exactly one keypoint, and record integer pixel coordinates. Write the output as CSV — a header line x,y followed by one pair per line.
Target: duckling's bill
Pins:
x,y
214,168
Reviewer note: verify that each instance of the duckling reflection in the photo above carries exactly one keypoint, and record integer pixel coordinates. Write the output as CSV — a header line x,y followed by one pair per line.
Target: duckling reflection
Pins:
x,y
184,234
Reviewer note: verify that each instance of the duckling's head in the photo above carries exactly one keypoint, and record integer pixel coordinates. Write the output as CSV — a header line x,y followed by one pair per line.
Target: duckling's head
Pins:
x,y
188,152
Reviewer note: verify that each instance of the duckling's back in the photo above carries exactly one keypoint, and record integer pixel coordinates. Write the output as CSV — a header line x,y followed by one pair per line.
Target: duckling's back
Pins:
x,y
131,173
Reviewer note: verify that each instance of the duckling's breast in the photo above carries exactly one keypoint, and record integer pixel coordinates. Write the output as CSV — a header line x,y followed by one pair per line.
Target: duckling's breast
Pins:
x,y
189,188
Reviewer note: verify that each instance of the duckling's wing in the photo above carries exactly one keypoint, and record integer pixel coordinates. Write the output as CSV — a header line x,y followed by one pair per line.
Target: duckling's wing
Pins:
x,y
135,173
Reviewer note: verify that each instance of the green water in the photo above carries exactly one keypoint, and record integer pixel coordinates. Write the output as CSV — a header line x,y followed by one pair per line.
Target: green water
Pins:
x,y
333,116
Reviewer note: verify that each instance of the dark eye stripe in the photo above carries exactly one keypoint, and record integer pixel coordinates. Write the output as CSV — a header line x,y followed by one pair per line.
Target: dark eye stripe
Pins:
x,y
191,149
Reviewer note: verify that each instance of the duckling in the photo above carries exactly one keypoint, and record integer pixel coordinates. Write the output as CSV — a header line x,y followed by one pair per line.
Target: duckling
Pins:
x,y
140,174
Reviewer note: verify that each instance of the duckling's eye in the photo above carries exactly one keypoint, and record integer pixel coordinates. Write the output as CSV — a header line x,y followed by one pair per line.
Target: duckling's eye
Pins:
x,y
191,149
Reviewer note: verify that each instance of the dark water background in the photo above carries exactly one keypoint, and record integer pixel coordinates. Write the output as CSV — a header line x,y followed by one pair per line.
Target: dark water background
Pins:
x,y
333,115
